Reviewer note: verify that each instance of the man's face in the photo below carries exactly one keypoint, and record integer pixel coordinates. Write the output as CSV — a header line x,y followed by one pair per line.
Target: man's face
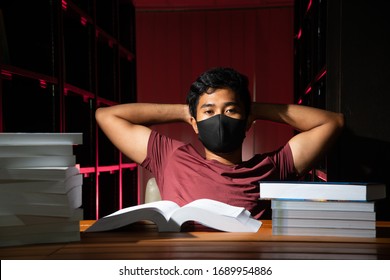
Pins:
x,y
221,101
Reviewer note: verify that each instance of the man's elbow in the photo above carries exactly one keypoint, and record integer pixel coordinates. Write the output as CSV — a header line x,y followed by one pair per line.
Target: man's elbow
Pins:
x,y
339,121
337,124
99,114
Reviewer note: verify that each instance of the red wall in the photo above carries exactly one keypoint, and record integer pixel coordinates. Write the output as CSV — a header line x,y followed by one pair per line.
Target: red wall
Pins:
x,y
174,47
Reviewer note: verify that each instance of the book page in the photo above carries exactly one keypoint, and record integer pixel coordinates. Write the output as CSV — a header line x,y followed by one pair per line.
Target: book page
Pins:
x,y
157,212
216,215
216,207
164,207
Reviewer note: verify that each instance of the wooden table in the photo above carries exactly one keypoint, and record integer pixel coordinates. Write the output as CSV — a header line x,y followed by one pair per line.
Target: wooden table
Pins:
x,y
144,242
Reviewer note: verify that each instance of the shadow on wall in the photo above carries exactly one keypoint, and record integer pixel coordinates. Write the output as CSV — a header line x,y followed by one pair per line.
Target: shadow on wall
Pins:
x,y
363,159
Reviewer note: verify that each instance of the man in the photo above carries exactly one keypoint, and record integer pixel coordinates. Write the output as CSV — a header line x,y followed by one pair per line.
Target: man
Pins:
x,y
220,111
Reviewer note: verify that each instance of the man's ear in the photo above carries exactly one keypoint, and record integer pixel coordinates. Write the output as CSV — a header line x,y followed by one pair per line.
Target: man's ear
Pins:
x,y
194,125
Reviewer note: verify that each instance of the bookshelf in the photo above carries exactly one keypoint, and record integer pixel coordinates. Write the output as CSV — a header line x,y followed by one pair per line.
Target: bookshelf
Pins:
x,y
60,60
341,63
310,69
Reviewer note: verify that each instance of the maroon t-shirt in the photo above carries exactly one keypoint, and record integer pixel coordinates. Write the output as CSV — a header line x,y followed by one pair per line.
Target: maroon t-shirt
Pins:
x,y
183,175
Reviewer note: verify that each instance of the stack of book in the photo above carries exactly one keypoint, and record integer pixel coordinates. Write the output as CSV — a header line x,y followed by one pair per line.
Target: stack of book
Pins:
x,y
40,188
323,208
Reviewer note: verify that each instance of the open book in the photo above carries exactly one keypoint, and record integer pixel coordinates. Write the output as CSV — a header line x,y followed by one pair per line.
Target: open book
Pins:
x,y
169,217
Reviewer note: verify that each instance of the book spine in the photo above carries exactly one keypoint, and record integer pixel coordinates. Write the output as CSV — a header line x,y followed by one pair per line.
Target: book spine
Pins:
x,y
37,161
368,206
31,150
10,139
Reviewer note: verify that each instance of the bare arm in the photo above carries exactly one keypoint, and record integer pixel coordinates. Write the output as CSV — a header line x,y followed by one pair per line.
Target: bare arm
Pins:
x,y
318,129
126,124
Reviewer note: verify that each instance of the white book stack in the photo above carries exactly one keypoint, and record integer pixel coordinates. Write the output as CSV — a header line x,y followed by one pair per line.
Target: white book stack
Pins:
x,y
323,209
40,188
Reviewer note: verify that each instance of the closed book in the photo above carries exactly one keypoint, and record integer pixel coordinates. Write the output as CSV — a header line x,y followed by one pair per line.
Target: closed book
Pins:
x,y
323,214
36,161
29,229
312,231
40,186
322,191
19,139
47,209
72,199
323,223
35,150
49,173
295,204
13,221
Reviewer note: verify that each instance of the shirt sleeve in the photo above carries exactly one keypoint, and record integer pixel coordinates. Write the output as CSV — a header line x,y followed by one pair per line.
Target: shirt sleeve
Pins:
x,y
160,148
285,161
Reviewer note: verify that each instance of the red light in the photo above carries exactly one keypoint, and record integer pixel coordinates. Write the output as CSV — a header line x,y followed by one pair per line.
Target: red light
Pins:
x,y
7,75
42,83
300,101
309,5
299,35
83,21
308,90
64,4
97,196
322,74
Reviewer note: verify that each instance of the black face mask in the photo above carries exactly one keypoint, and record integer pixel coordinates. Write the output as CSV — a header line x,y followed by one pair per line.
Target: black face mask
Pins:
x,y
222,134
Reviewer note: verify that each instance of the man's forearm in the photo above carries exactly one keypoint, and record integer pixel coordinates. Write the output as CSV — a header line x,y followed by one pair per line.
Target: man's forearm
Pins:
x,y
149,113
302,118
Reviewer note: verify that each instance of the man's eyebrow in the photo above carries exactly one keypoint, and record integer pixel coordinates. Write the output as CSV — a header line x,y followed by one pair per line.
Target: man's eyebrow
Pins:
x,y
232,103
207,105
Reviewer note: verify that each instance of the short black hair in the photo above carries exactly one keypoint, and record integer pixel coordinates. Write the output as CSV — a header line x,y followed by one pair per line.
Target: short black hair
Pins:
x,y
219,78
